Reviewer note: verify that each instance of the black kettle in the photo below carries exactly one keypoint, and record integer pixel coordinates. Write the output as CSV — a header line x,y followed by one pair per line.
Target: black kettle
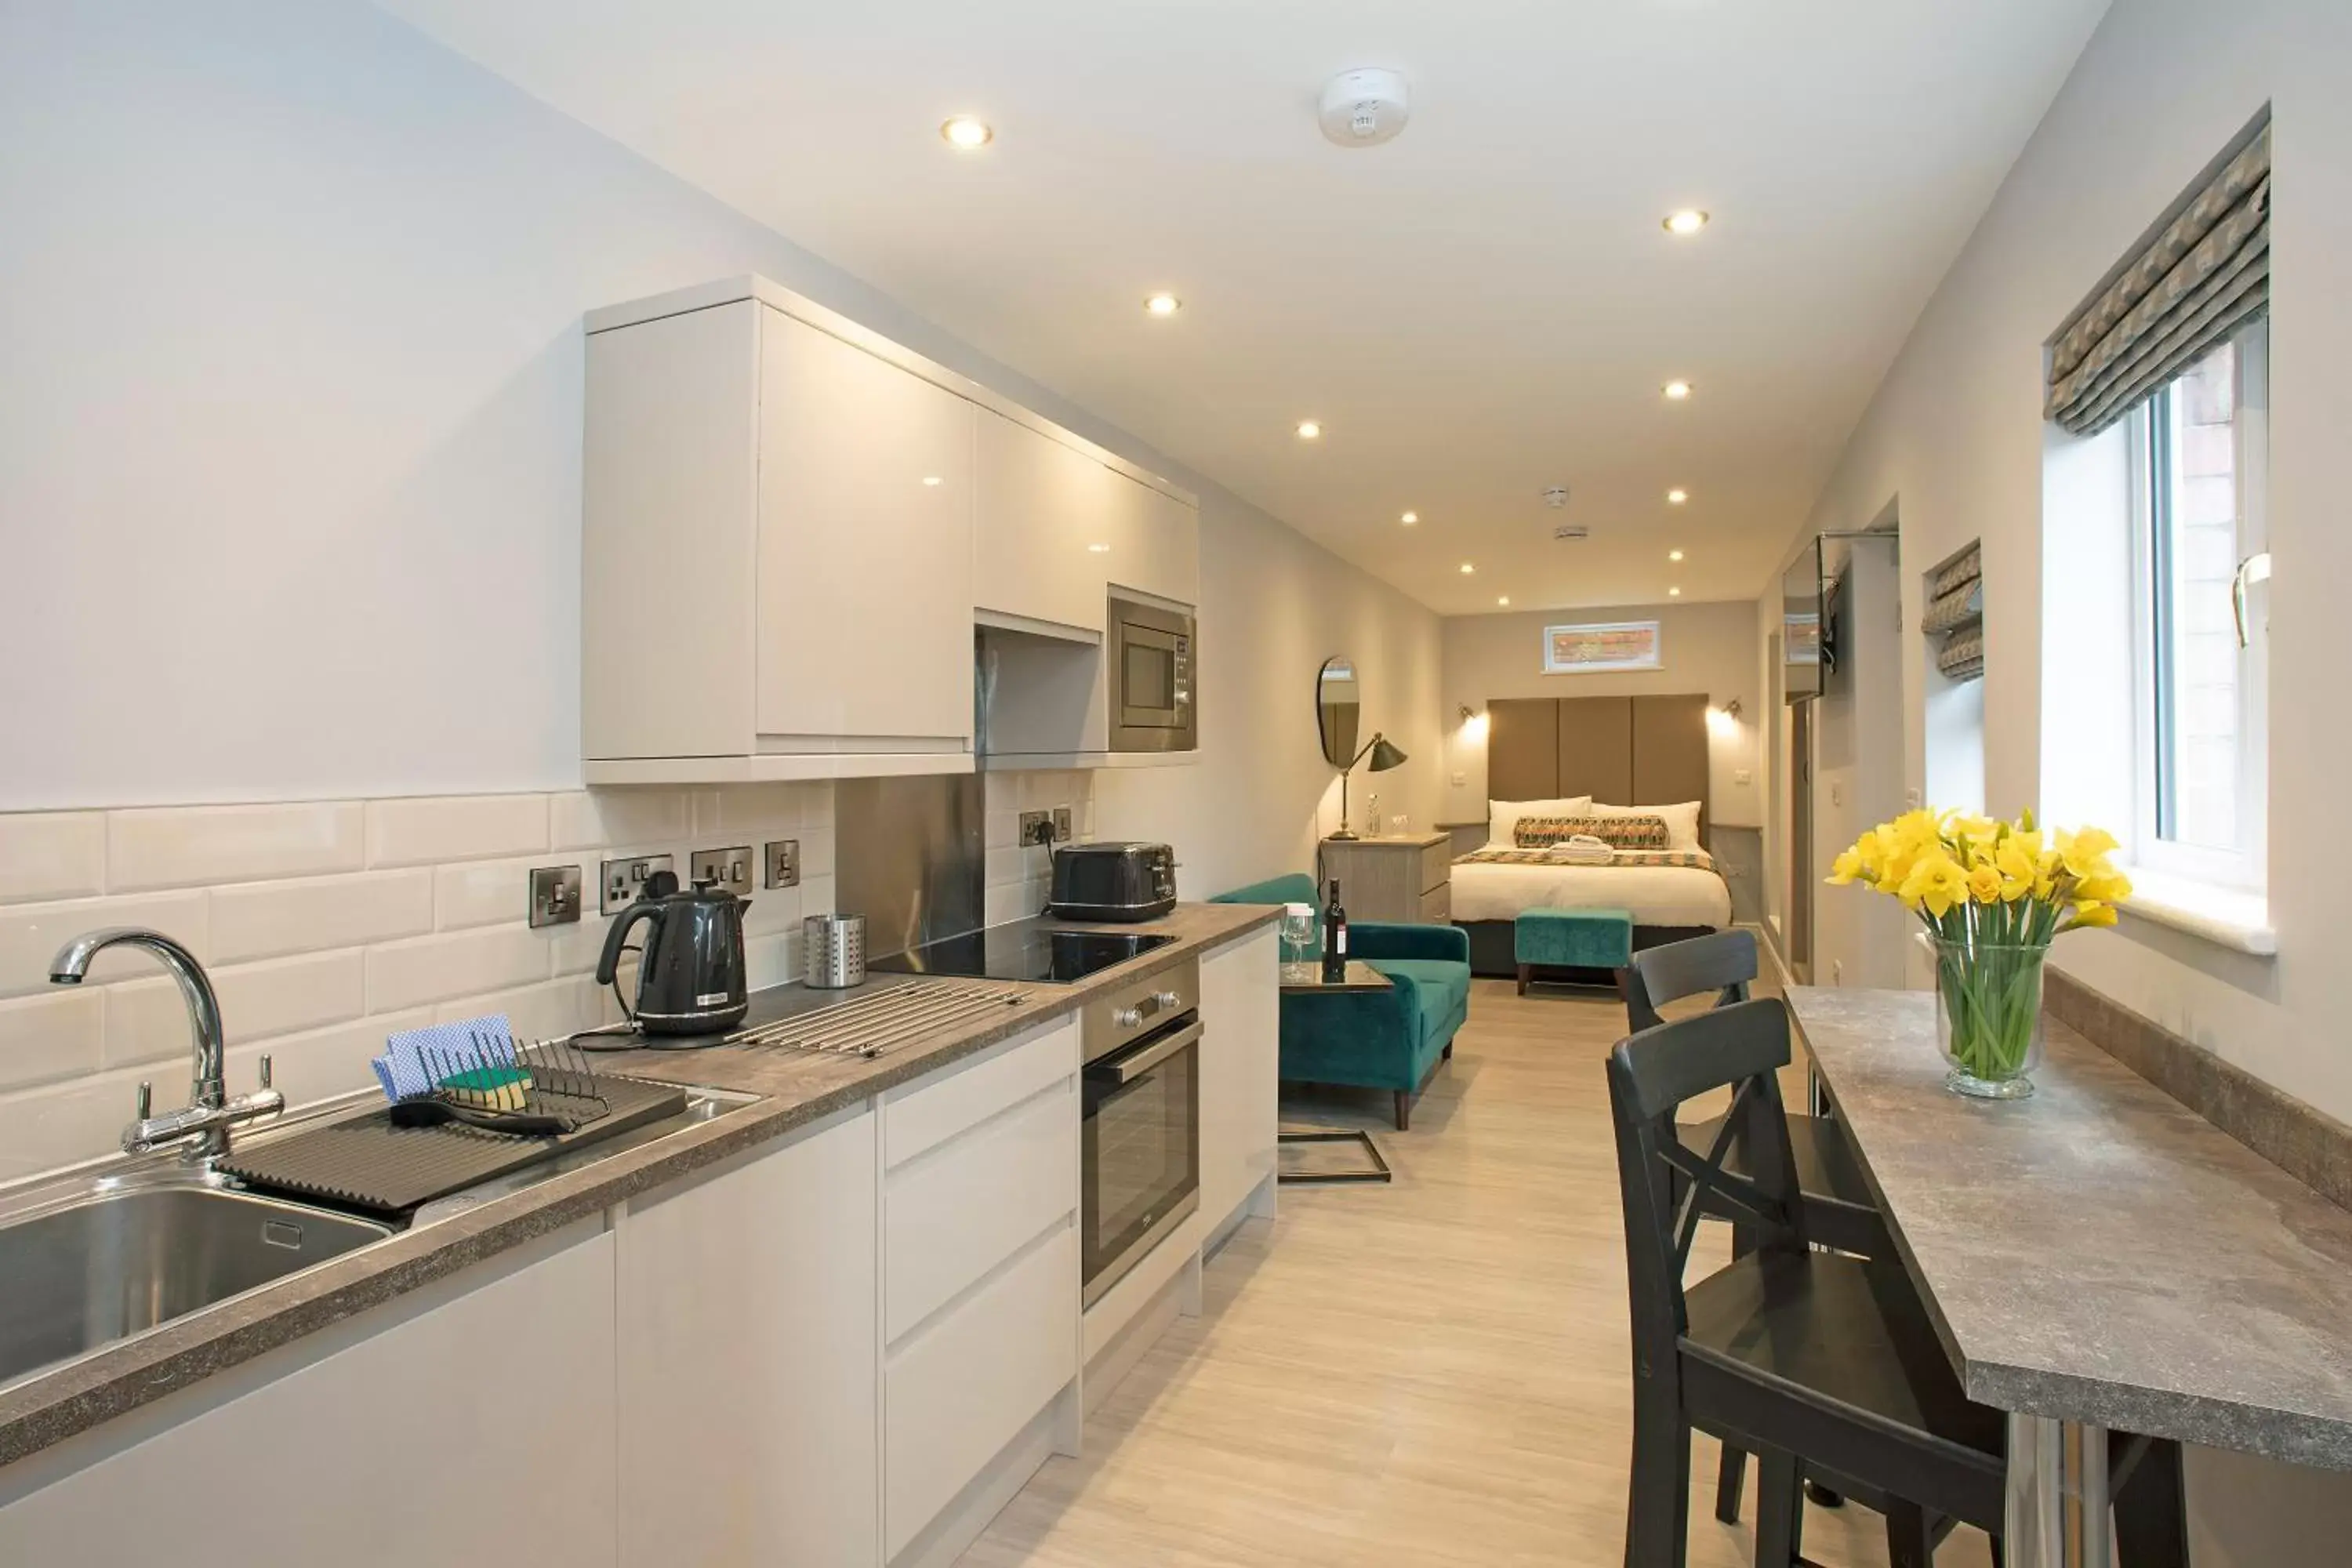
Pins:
x,y
690,977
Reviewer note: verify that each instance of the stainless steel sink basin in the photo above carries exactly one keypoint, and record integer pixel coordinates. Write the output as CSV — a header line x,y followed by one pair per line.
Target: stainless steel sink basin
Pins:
x,y
115,1263
93,1256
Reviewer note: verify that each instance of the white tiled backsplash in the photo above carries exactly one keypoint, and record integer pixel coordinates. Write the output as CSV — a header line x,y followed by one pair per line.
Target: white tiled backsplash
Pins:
x,y
1020,875
326,925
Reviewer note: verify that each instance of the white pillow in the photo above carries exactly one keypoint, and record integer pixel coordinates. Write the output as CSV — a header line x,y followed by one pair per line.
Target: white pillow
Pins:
x,y
1681,821
1503,815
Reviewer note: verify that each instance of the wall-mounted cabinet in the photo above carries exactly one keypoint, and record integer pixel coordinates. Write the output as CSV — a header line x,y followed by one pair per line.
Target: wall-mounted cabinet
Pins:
x,y
789,525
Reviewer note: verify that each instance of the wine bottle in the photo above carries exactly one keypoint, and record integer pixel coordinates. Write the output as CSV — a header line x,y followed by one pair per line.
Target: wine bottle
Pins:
x,y
1335,938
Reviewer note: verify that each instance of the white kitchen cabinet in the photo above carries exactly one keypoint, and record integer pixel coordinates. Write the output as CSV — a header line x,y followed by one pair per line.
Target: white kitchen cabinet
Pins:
x,y
776,549
1059,525
748,1353
1155,543
1240,1074
476,1425
865,497
1044,526
981,1265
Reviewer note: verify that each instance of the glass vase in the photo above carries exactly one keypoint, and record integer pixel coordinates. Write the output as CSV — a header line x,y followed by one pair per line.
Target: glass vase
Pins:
x,y
1989,1017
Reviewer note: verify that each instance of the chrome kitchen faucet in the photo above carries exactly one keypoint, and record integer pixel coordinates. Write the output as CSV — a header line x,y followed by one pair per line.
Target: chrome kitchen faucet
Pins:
x,y
209,1112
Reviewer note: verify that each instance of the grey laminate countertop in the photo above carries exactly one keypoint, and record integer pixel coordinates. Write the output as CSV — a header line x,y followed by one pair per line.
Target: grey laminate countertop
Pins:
x,y
798,1088
2098,1252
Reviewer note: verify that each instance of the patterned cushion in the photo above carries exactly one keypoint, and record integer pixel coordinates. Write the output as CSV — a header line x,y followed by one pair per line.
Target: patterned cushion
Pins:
x,y
1617,832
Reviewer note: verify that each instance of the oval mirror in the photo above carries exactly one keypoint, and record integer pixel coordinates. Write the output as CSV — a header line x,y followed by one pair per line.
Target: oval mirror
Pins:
x,y
1336,708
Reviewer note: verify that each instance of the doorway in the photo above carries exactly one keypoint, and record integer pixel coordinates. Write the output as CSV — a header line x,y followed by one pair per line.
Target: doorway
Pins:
x,y
1800,842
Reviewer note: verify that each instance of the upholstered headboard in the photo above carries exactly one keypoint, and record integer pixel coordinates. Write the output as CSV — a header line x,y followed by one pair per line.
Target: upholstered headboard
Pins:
x,y
1622,750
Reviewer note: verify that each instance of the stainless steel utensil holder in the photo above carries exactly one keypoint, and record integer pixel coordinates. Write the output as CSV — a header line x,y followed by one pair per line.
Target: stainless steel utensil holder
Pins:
x,y
832,951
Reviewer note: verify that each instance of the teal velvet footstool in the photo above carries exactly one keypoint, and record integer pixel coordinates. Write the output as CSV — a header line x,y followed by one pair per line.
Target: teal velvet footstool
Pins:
x,y
1572,938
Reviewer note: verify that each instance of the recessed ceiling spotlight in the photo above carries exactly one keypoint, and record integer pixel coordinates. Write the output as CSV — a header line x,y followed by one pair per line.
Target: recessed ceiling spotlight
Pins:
x,y
967,133
1467,568
1099,549
1686,223
1410,517
1309,430
1673,593
1676,498
1674,555
1504,600
1163,304
931,479
1677,390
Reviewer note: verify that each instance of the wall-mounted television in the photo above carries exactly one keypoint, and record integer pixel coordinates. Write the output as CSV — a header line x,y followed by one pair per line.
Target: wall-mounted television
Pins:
x,y
1808,638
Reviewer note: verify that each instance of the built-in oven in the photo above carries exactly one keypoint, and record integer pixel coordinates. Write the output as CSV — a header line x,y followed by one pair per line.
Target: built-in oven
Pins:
x,y
1140,1139
1151,665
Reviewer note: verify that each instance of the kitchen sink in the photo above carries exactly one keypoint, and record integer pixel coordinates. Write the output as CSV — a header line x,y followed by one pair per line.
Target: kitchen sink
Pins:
x,y
118,1262
91,1257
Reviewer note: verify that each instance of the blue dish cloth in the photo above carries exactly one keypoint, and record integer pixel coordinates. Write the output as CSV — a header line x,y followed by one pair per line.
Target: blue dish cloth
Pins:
x,y
488,1040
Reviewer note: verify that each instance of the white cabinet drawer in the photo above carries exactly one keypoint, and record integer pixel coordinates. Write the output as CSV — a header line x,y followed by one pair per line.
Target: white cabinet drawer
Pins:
x,y
1437,905
957,1392
927,1112
1437,865
968,1205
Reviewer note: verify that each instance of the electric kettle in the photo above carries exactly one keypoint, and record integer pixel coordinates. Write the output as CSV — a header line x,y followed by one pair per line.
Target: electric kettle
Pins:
x,y
690,977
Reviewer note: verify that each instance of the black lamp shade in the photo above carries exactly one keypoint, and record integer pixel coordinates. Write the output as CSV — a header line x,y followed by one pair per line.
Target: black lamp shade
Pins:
x,y
1384,755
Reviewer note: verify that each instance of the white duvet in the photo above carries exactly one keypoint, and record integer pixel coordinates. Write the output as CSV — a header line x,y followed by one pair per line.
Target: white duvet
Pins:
x,y
1658,895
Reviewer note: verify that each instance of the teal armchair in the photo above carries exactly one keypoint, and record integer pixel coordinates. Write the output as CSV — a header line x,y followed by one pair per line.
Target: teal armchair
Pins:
x,y
1391,1039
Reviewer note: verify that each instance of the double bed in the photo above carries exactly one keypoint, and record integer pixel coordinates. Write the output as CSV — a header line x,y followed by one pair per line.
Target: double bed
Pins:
x,y
1558,755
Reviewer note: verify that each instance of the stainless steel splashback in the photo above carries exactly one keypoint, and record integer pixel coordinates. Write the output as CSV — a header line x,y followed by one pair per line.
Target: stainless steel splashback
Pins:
x,y
908,856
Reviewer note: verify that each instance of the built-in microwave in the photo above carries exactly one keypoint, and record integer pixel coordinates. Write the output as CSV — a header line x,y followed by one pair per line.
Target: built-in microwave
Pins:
x,y
1150,666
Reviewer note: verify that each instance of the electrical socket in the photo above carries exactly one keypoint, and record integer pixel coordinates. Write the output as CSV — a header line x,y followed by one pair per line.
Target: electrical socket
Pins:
x,y
1062,824
554,895
1036,827
728,868
783,859
622,881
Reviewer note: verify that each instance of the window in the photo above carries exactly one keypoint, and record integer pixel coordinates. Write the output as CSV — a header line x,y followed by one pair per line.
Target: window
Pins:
x,y
2199,448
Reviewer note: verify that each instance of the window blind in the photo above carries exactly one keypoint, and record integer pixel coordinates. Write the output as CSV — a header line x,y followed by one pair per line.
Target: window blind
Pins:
x,y
2206,274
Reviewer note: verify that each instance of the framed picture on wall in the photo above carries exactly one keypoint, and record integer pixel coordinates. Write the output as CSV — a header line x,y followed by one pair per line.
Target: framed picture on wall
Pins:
x,y
1607,646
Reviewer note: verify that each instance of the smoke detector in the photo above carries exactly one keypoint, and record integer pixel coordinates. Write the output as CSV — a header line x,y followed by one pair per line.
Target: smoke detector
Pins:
x,y
1363,107
1556,496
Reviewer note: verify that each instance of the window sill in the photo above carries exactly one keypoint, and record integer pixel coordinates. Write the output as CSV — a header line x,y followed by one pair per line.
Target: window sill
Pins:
x,y
2227,916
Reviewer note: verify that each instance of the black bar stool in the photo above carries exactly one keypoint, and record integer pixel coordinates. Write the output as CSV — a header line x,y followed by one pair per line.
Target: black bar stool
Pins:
x,y
1821,1363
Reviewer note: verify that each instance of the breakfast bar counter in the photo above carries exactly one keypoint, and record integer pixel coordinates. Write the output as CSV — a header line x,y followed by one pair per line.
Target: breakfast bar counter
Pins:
x,y
2096,1258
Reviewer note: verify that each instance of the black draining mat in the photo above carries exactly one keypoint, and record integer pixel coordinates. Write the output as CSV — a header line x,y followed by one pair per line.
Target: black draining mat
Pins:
x,y
364,1161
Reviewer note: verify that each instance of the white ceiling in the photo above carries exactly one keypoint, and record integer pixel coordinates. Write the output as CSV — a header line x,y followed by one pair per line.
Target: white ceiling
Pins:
x,y
1482,307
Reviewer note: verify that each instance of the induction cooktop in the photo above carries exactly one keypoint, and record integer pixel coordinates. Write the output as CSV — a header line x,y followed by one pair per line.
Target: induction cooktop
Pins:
x,y
1031,950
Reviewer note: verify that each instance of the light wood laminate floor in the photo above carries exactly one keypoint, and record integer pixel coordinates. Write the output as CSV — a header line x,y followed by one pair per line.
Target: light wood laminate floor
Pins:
x,y
1430,1374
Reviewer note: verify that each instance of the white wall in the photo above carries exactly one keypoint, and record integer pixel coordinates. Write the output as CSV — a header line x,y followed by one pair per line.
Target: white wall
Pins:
x,y
1956,434
1709,648
291,330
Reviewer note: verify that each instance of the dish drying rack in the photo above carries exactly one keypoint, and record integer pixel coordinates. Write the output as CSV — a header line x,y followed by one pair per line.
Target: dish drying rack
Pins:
x,y
460,1131
495,1083
882,1021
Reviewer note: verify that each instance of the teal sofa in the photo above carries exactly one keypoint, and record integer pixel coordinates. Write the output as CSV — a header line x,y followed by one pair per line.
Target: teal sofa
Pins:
x,y
1390,1039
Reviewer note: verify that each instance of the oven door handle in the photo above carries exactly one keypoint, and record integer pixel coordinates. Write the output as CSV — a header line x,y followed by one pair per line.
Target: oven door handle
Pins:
x,y
1143,1057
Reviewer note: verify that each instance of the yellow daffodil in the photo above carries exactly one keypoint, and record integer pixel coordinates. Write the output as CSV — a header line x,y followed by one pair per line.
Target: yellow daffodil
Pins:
x,y
1938,862
2085,853
1936,881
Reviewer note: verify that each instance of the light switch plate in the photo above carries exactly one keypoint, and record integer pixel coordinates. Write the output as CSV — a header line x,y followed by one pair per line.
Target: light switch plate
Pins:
x,y
782,857
621,881
728,868
554,895
1742,777
1061,824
